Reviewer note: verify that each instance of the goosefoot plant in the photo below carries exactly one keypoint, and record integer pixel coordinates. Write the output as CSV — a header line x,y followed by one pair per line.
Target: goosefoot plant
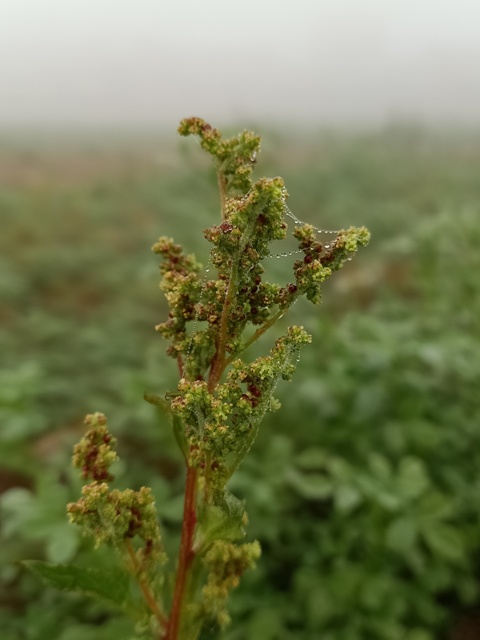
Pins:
x,y
220,401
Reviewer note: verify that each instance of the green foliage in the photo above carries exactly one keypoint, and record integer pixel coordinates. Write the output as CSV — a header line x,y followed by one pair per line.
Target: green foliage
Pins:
x,y
112,586
362,490
383,483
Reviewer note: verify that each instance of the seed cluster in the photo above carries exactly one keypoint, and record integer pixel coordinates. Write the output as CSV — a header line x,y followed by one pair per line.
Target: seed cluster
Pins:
x,y
109,515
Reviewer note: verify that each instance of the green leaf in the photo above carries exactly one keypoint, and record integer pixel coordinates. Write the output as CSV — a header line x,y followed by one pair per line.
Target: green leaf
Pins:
x,y
112,586
435,506
118,628
347,498
244,448
63,543
265,624
179,433
371,488
445,541
401,535
222,520
419,634
376,591
413,479
312,459
380,467
157,401
34,515
320,606
312,486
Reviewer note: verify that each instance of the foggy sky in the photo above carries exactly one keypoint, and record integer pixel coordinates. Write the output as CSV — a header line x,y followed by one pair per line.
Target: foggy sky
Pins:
x,y
151,62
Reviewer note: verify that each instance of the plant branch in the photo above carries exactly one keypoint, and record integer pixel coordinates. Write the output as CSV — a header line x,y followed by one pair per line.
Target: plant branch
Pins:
x,y
218,363
180,364
222,188
260,331
186,554
144,587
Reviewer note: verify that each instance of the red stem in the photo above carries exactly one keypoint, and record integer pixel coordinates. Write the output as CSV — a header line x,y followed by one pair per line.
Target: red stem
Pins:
x,y
222,187
180,365
185,555
218,362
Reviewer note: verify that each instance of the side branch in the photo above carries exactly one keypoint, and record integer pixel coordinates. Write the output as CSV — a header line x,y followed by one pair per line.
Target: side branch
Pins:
x,y
218,363
260,331
222,188
144,587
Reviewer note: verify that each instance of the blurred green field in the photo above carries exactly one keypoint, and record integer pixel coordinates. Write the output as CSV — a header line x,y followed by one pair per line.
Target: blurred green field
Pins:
x,y
364,489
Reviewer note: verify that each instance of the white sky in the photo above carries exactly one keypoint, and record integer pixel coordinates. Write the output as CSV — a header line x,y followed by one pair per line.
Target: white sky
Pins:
x,y
151,62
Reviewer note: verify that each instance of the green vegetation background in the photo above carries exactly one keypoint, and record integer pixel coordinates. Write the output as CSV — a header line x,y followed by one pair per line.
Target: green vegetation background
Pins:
x,y
364,489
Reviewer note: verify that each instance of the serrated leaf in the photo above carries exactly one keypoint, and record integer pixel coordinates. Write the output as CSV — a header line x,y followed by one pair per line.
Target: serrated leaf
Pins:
x,y
112,586
222,520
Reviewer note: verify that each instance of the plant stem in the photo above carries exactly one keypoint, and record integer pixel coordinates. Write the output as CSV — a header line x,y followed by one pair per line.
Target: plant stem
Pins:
x,y
185,555
222,188
181,367
218,363
144,587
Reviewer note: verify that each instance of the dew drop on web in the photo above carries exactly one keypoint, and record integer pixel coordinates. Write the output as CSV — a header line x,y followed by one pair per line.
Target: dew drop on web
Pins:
x,y
299,222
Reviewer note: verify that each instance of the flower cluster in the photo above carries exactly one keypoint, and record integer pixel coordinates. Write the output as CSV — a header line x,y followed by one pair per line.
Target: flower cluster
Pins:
x,y
225,563
234,157
222,425
95,453
253,215
108,515
182,290
321,261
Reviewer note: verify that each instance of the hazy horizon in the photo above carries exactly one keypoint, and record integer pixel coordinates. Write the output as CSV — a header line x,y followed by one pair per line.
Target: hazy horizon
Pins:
x,y
146,64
